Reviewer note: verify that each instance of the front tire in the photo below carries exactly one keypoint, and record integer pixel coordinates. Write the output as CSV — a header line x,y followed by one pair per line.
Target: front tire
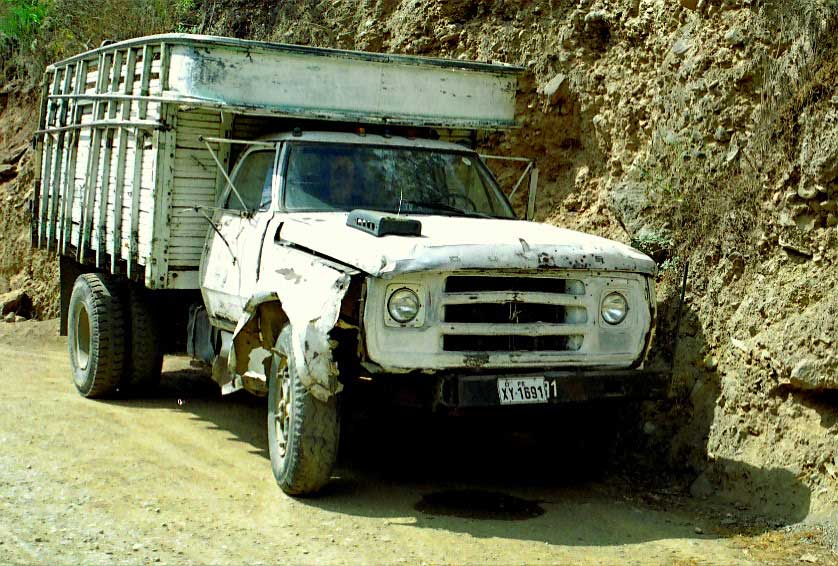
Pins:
x,y
302,430
96,335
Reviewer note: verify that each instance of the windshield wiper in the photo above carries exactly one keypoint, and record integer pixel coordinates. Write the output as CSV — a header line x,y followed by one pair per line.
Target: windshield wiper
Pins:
x,y
446,208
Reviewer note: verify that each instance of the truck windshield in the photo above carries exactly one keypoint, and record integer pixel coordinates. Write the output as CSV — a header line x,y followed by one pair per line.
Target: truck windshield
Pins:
x,y
405,180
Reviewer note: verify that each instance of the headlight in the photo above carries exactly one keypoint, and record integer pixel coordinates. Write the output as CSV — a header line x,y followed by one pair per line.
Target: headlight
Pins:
x,y
614,308
403,305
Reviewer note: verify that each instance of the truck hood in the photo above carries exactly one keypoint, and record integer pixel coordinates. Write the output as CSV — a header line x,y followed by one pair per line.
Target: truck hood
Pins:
x,y
453,243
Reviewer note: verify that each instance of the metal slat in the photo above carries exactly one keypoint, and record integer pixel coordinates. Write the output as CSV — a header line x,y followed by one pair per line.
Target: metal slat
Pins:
x,y
145,79
529,329
163,186
105,185
532,195
194,118
165,55
224,152
55,184
190,237
196,184
189,163
70,173
512,297
136,189
119,189
89,202
37,163
104,124
46,170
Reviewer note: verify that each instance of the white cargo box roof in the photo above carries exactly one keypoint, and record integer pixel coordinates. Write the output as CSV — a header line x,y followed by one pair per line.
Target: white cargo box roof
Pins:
x,y
288,80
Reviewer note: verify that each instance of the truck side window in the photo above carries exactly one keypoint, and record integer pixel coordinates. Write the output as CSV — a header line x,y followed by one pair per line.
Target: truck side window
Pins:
x,y
253,181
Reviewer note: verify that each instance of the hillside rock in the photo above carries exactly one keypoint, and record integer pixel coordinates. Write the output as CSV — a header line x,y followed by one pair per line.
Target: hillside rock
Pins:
x,y
815,375
15,303
631,205
7,173
819,147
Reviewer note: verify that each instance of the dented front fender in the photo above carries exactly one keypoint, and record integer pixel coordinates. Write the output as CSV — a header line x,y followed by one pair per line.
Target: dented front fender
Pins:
x,y
310,291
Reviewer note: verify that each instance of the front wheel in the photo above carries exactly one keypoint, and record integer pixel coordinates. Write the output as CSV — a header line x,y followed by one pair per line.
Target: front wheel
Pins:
x,y
302,430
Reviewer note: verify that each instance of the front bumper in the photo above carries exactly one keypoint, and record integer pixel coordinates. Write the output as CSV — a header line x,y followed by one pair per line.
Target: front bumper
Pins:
x,y
451,391
468,391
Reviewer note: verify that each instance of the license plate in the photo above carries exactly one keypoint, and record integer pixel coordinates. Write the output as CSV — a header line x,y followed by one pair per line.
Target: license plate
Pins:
x,y
523,390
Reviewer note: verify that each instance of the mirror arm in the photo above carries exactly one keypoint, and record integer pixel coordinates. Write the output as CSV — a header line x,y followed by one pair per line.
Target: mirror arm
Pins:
x,y
223,172
533,191
521,178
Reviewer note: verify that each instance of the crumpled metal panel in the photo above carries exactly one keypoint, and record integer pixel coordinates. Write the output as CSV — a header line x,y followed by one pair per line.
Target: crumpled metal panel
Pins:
x,y
311,291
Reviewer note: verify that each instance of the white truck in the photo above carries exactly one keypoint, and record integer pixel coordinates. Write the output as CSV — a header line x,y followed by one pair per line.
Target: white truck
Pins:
x,y
306,219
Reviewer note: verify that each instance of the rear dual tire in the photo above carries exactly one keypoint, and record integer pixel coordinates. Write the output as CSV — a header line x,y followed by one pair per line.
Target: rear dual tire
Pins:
x,y
96,335
145,356
111,338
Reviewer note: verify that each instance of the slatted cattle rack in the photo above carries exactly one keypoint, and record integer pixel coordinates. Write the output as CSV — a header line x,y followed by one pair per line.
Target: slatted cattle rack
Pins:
x,y
123,168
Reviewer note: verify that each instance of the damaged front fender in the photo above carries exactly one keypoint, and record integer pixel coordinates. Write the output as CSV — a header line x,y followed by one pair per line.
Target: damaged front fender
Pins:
x,y
306,292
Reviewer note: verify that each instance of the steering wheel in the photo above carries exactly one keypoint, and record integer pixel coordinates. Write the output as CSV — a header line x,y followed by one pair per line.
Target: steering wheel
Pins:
x,y
453,198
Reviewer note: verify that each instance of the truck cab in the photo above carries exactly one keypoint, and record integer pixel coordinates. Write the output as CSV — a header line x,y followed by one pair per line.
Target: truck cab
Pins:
x,y
344,256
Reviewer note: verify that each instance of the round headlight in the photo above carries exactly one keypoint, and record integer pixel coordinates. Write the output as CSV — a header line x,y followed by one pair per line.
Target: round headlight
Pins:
x,y
614,308
403,305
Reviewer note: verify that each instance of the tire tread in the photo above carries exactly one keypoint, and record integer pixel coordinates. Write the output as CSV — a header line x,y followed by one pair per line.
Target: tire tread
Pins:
x,y
107,348
313,440
145,357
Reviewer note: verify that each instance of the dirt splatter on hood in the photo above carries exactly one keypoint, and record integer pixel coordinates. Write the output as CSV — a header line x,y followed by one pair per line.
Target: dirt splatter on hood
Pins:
x,y
449,243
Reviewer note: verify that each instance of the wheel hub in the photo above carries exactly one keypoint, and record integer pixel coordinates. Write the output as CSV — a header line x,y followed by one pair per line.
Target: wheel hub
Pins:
x,y
282,408
82,341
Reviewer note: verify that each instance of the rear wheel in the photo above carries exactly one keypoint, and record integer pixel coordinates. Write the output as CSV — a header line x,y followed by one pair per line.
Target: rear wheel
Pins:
x,y
145,359
302,430
96,335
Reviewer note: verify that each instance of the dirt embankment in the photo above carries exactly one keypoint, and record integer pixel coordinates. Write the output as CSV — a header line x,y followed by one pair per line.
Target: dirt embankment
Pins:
x,y
697,130
34,273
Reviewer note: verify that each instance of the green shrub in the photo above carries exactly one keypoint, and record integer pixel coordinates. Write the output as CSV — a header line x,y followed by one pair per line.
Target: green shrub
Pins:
x,y
20,22
38,32
657,244
20,19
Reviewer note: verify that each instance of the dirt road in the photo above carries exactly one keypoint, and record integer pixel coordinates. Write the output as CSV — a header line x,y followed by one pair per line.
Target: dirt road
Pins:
x,y
184,477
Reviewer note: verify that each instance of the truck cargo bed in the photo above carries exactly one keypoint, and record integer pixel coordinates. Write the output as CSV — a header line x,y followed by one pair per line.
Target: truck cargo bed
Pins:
x,y
123,171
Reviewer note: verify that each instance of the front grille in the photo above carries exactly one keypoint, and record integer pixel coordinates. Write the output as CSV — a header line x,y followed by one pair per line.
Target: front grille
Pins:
x,y
510,343
505,313
476,283
515,313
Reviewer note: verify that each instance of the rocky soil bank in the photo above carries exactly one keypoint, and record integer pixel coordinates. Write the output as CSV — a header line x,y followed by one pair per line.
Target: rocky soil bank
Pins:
x,y
23,272
697,130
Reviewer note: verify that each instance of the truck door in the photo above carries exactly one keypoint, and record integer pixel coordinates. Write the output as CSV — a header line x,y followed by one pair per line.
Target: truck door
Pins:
x,y
229,267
